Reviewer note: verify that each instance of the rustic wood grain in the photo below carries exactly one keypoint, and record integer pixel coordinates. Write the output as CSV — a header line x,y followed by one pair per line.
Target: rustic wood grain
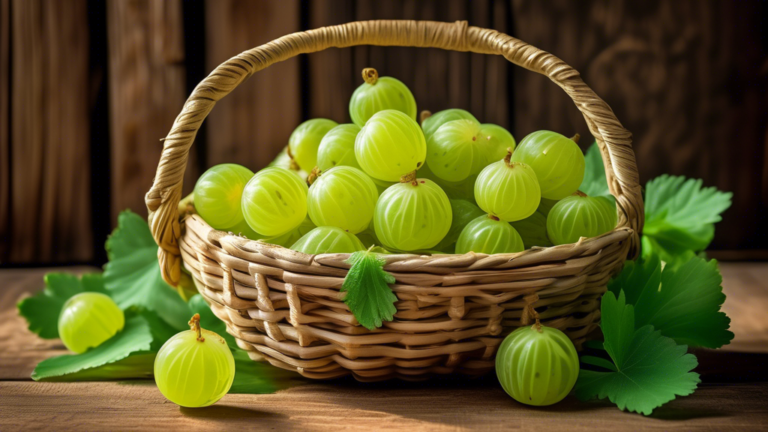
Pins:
x,y
469,405
687,78
251,126
147,91
5,139
50,199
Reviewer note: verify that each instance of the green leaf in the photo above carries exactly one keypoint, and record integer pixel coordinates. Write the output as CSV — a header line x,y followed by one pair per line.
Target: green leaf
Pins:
x,y
681,301
42,310
637,277
103,362
650,369
680,215
132,276
594,183
253,377
369,296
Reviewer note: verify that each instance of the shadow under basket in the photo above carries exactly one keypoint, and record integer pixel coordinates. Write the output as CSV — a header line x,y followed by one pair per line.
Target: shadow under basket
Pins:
x,y
453,311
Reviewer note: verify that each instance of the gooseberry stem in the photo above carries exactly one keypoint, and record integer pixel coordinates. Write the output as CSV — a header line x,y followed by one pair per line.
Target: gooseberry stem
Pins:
x,y
537,325
370,75
424,115
409,178
492,217
292,165
313,175
580,193
508,157
194,324
576,138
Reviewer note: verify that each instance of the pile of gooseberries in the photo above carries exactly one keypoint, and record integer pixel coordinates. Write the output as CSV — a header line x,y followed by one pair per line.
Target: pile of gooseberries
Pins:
x,y
448,185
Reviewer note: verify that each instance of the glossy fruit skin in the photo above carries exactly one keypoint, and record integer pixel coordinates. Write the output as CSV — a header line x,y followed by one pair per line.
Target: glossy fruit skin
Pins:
x,y
343,197
496,142
390,145
194,374
509,192
463,212
274,201
580,216
557,161
453,151
433,122
87,320
409,218
535,367
328,239
218,193
489,236
387,93
337,147
305,141
461,148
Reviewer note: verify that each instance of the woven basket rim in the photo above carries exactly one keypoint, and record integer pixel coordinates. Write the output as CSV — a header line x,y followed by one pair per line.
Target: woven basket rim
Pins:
x,y
338,260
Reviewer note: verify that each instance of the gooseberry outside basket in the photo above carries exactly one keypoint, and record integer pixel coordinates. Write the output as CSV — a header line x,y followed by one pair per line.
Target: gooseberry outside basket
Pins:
x,y
453,310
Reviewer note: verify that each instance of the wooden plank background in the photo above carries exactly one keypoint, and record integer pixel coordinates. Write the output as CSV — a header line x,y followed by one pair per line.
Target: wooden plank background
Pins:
x,y
688,78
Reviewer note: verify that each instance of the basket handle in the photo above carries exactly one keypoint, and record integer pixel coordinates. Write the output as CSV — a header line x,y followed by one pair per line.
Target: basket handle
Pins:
x,y
613,140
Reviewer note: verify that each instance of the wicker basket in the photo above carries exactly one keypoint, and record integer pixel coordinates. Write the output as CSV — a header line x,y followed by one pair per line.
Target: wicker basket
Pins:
x,y
453,310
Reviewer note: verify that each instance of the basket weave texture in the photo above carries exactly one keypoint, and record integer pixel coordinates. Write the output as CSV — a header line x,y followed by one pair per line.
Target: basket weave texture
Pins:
x,y
452,310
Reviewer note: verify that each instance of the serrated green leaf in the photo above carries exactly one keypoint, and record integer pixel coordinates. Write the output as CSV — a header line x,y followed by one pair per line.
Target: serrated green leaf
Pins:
x,y
594,183
682,301
42,310
134,339
369,296
680,215
132,276
651,369
637,277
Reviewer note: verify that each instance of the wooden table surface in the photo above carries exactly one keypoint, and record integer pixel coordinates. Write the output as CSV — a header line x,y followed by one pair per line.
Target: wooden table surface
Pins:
x,y
733,396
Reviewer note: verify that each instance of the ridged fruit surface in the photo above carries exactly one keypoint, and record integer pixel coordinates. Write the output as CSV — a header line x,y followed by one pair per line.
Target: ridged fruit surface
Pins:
x,y
509,191
87,320
218,193
489,236
274,201
409,218
194,373
557,161
390,145
580,216
537,365
343,197
386,93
